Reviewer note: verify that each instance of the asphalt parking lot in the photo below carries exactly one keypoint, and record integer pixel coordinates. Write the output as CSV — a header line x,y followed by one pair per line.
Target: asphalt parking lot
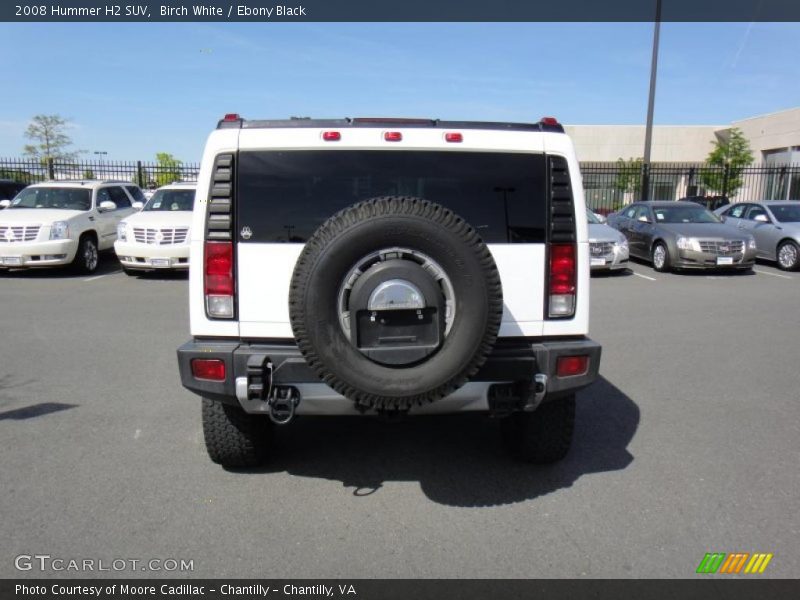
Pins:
x,y
689,443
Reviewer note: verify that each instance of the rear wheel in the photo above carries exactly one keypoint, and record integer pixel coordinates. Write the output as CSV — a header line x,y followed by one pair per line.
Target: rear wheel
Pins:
x,y
87,257
788,256
660,257
543,436
233,437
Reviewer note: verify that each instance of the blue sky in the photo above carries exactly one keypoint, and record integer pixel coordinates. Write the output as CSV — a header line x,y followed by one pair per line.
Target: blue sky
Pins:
x,y
136,89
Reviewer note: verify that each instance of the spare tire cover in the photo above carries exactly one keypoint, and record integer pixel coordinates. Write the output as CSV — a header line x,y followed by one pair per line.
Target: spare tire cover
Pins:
x,y
426,229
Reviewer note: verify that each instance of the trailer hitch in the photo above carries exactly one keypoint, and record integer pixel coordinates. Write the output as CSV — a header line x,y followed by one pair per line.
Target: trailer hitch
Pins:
x,y
282,404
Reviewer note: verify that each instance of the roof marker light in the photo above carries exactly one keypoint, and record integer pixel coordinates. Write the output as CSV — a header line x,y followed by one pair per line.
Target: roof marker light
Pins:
x,y
331,136
393,136
453,137
548,121
231,117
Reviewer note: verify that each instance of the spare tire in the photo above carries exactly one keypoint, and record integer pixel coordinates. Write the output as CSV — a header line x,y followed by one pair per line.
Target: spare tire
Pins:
x,y
395,302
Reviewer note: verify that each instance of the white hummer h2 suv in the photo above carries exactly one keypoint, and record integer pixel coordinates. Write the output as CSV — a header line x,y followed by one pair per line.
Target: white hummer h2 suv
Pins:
x,y
388,266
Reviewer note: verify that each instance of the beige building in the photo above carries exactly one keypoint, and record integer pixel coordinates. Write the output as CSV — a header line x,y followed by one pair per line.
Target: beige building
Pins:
x,y
772,136
678,150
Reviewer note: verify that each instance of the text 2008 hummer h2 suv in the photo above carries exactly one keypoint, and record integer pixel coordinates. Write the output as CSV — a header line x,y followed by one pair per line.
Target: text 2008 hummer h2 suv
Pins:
x,y
385,266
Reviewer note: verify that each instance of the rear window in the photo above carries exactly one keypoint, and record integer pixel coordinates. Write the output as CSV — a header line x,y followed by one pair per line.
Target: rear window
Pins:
x,y
136,193
9,190
284,196
786,213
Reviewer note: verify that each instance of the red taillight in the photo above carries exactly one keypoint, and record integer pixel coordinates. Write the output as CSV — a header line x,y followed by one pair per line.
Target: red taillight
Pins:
x,y
569,366
453,137
231,117
548,121
393,136
219,268
562,269
331,136
563,280
219,279
210,369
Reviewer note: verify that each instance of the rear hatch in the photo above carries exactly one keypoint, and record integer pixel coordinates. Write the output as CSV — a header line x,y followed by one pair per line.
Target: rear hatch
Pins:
x,y
284,194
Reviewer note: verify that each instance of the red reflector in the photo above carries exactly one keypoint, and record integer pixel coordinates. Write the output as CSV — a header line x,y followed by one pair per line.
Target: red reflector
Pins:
x,y
331,136
393,136
562,269
219,268
211,369
569,366
453,137
231,117
548,121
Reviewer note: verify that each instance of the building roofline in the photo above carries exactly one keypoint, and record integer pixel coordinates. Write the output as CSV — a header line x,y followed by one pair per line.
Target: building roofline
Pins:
x,y
769,114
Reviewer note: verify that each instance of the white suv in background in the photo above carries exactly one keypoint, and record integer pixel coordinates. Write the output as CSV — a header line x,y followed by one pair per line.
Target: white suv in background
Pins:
x,y
158,236
63,223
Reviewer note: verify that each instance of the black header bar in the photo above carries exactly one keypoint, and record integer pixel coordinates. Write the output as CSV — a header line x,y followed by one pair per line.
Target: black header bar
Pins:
x,y
405,11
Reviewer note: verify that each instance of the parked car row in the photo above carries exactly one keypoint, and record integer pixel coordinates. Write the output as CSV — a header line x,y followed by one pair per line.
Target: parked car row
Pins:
x,y
686,235
70,222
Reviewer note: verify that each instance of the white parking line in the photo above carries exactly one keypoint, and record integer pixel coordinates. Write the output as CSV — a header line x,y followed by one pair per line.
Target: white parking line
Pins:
x,y
103,275
773,274
643,276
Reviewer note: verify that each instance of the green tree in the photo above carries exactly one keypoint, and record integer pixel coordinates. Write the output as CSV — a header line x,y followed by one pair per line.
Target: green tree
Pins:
x,y
732,153
169,169
629,174
88,174
48,132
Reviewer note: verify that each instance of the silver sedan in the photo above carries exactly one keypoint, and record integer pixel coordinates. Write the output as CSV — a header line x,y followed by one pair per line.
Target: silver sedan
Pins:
x,y
608,248
775,224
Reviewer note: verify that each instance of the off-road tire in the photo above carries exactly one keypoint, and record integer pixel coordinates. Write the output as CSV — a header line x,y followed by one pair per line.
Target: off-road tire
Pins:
x,y
81,262
543,436
234,438
389,222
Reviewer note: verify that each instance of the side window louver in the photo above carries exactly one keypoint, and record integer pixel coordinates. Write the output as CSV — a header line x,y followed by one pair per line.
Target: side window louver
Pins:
x,y
562,209
219,220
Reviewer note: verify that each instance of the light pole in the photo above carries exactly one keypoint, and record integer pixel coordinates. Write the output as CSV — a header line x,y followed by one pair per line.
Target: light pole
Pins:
x,y
648,132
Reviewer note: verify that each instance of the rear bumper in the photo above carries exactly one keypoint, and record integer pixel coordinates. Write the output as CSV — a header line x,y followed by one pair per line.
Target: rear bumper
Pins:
x,y
513,361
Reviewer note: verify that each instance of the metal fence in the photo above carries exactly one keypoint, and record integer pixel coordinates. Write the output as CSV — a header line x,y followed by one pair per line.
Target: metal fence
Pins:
x,y
608,186
144,174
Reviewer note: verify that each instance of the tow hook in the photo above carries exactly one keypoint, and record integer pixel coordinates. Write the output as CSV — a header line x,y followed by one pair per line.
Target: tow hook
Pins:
x,y
282,404
538,392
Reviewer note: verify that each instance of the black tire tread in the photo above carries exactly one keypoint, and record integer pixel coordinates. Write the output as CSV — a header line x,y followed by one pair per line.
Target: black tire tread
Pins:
x,y
543,436
233,437
355,215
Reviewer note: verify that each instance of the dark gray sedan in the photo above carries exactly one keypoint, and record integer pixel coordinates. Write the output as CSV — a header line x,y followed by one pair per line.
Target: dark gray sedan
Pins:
x,y
683,235
776,226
